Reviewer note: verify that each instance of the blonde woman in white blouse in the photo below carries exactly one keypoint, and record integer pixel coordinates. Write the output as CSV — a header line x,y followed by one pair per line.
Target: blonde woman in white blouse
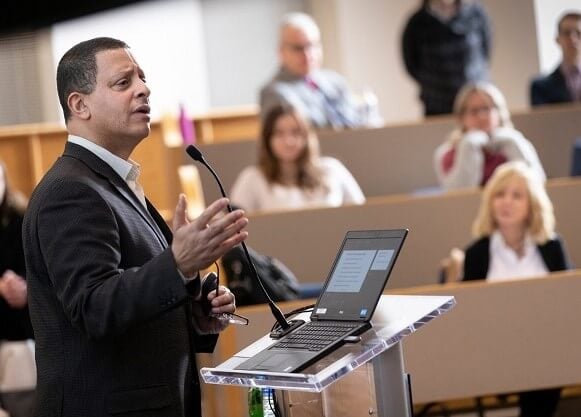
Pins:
x,y
515,239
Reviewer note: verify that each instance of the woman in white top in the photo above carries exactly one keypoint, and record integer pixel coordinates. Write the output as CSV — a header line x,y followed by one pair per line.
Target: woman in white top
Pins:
x,y
290,173
484,139
515,232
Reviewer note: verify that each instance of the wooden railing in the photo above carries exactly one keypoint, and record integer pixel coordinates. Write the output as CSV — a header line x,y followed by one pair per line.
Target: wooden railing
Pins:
x,y
307,240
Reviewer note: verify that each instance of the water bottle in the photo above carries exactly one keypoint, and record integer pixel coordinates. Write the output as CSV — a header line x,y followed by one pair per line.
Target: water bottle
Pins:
x,y
255,402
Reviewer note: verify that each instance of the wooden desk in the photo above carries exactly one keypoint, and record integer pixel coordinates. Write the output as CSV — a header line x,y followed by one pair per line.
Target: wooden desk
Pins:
x,y
499,338
307,240
398,159
390,160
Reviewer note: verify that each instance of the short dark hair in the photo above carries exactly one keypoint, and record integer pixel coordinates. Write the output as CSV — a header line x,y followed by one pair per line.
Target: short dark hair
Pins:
x,y
77,69
567,15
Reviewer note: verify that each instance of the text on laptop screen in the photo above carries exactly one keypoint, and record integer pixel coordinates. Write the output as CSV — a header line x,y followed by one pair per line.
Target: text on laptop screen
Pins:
x,y
353,266
358,277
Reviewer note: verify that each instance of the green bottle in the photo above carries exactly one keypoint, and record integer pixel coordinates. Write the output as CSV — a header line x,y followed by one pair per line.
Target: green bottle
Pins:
x,y
255,402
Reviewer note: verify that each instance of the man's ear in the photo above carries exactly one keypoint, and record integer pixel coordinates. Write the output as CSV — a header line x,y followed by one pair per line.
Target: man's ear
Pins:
x,y
78,106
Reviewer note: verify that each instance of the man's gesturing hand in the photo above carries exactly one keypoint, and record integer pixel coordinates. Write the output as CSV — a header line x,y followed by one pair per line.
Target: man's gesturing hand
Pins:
x,y
197,244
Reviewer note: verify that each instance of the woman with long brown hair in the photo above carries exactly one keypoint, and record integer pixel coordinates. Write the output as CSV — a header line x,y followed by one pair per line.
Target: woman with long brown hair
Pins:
x,y
290,173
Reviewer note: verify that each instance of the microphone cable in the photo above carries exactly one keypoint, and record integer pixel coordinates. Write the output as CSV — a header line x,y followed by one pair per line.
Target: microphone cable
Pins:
x,y
308,308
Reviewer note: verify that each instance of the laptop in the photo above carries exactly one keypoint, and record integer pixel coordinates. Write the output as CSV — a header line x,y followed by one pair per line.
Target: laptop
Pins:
x,y
345,306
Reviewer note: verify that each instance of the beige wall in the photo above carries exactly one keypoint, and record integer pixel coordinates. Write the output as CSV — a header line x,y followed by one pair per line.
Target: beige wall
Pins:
x,y
515,52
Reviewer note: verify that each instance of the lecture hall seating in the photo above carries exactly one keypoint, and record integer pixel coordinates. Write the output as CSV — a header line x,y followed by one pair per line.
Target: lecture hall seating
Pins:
x,y
500,338
398,159
307,240
390,160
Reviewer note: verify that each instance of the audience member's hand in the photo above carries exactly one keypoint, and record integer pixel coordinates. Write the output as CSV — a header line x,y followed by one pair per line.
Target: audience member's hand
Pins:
x,y
13,289
504,135
223,303
197,244
477,137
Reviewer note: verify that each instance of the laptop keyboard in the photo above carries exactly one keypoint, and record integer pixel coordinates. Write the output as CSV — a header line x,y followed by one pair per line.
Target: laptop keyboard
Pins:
x,y
315,336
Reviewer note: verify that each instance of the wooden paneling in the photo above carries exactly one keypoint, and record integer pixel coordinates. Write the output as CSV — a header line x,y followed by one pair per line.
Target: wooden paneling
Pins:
x,y
159,170
30,150
16,153
307,240
228,125
51,145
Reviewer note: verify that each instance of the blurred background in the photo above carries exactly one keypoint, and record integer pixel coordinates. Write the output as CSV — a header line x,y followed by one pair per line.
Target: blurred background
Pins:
x,y
215,54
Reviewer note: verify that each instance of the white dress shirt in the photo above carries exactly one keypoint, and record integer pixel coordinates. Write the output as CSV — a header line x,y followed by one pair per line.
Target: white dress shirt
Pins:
x,y
128,170
505,264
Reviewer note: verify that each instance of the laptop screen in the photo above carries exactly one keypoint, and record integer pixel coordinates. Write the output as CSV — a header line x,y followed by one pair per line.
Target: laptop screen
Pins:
x,y
359,275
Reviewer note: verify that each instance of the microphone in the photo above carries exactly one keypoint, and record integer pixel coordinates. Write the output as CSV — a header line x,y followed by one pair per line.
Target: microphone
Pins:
x,y
284,326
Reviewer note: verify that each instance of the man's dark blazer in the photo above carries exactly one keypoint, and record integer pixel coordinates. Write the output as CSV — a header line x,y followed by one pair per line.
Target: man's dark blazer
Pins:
x,y
111,314
477,259
550,89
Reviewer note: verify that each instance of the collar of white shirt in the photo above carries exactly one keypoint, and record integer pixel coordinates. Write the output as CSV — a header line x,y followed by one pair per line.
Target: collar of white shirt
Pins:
x,y
128,170
497,243
506,264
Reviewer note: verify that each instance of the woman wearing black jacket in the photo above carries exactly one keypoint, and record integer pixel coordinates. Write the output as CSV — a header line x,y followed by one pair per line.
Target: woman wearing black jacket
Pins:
x,y
515,239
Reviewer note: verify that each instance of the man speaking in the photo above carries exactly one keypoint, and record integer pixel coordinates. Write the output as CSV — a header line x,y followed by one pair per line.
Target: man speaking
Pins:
x,y
114,297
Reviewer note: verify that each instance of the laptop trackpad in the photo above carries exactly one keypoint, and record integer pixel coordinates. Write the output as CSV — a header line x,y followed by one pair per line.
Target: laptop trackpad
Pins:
x,y
280,362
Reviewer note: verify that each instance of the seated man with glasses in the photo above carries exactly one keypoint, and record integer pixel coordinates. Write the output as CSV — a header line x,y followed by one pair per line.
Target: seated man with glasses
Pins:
x,y
563,85
320,95
484,139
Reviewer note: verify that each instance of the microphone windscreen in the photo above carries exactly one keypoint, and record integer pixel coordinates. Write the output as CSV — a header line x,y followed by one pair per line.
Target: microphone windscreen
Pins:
x,y
194,153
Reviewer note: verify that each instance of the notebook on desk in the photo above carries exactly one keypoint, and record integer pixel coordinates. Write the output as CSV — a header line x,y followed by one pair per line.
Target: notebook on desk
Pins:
x,y
344,308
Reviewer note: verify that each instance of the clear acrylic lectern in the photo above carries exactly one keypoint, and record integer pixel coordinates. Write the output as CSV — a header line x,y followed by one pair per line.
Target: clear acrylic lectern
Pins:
x,y
396,317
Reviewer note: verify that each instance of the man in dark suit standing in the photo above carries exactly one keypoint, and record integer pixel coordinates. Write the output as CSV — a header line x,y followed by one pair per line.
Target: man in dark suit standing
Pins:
x,y
563,85
114,297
